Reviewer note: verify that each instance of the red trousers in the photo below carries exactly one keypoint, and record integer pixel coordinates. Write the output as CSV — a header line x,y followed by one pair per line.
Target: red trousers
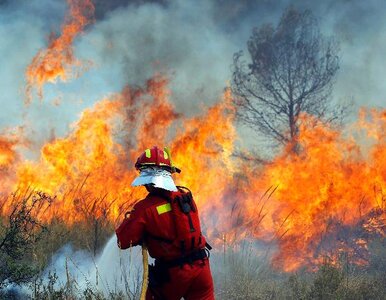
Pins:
x,y
191,281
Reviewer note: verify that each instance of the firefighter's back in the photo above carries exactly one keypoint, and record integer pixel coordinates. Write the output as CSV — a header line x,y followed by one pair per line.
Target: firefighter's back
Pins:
x,y
181,266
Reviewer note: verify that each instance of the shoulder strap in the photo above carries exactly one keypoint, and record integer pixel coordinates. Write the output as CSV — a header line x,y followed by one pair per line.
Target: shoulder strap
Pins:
x,y
183,189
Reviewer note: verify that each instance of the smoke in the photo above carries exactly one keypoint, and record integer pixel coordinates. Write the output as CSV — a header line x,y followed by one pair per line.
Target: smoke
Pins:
x,y
75,272
358,26
113,270
192,41
180,40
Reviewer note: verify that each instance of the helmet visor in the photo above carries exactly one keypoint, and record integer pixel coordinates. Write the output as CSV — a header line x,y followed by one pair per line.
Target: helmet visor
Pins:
x,y
159,177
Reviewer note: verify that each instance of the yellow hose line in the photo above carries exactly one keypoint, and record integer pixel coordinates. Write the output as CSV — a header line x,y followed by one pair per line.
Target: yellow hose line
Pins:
x,y
145,278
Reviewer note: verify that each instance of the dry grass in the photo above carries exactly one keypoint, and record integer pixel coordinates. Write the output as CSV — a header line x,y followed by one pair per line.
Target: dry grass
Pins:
x,y
239,274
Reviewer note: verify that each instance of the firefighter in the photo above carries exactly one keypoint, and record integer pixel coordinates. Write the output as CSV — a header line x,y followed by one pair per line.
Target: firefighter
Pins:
x,y
167,222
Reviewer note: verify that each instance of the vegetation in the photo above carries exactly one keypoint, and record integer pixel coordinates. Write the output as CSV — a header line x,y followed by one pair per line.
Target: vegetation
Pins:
x,y
244,276
27,246
19,232
291,71
240,274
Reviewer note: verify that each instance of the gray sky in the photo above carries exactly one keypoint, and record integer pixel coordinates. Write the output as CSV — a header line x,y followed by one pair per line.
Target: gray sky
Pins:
x,y
192,41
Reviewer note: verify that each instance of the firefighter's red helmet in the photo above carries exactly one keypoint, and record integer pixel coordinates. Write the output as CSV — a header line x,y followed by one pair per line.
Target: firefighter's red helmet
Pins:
x,y
156,157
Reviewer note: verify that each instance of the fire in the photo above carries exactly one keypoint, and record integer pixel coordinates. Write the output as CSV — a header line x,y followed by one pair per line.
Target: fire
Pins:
x,y
81,169
332,184
7,152
9,157
91,165
203,149
302,204
56,62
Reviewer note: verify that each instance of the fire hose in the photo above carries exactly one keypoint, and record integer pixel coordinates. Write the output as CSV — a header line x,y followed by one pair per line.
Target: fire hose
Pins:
x,y
145,276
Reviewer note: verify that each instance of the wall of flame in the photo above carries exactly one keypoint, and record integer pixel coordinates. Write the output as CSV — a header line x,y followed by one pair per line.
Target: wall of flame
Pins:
x,y
296,201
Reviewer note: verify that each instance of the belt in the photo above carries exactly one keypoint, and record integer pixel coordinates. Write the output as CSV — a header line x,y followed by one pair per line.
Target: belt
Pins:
x,y
188,259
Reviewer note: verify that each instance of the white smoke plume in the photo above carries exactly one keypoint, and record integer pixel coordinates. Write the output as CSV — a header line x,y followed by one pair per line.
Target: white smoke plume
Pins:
x,y
113,270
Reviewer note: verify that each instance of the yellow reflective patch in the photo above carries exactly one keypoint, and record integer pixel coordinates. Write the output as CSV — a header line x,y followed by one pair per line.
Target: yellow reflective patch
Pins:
x,y
164,208
166,156
167,151
148,153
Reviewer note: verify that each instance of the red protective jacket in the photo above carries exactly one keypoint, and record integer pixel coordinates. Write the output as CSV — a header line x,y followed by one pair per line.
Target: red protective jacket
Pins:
x,y
149,222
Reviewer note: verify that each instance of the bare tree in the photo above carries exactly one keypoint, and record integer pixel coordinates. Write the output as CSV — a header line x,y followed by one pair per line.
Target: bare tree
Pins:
x,y
291,71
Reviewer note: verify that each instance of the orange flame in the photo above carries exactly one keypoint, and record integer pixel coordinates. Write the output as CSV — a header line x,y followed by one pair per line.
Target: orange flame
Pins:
x,y
330,184
7,153
57,60
9,157
300,203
